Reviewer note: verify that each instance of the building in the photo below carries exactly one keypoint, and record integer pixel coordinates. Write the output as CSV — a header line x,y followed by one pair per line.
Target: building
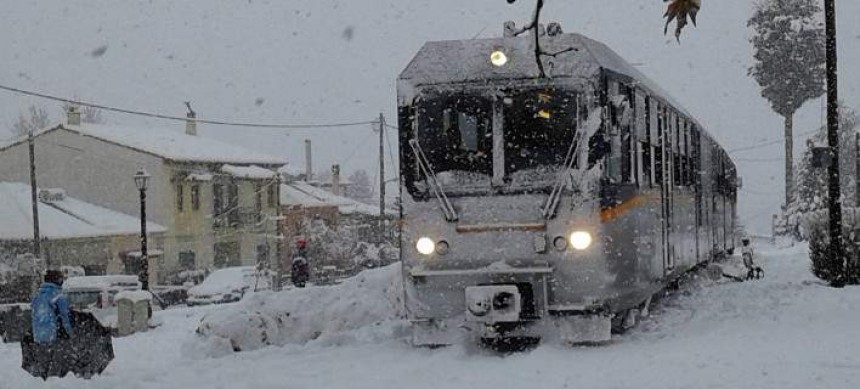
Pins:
x,y
302,202
218,201
74,232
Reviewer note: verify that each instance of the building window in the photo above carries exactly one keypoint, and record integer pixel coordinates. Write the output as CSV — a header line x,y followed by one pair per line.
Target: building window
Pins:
x,y
195,197
226,254
180,197
258,197
187,260
217,199
272,193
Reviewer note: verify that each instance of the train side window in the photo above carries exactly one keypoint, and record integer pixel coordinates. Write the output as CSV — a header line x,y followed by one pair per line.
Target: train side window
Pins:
x,y
626,154
646,165
643,111
653,122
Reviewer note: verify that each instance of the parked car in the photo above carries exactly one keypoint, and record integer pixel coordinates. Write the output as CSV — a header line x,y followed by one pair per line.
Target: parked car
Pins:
x,y
97,292
229,285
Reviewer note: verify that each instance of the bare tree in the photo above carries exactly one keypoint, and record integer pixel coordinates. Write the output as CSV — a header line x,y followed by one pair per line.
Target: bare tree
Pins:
x,y
360,188
677,10
88,114
35,119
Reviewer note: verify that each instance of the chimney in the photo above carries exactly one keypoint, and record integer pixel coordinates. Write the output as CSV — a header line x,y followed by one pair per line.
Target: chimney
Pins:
x,y
510,29
190,120
73,116
191,125
335,179
309,170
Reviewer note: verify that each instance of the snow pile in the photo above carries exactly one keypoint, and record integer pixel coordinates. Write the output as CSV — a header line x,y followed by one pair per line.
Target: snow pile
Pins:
x,y
366,307
134,295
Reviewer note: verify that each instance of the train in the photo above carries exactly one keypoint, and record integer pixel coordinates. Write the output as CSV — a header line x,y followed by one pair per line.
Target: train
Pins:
x,y
548,207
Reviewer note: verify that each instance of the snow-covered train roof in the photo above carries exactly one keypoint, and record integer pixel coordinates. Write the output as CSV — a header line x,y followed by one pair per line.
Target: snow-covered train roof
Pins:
x,y
467,61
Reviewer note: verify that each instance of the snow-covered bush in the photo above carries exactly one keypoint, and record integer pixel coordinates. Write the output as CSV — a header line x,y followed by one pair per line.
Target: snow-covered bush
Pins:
x,y
368,306
823,265
347,246
809,199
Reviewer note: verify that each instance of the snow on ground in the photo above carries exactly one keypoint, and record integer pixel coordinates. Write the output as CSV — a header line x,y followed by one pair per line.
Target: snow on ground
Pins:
x,y
785,331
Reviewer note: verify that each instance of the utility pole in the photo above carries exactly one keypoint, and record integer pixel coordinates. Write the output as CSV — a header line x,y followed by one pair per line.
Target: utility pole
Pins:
x,y
280,250
381,175
34,197
857,170
837,254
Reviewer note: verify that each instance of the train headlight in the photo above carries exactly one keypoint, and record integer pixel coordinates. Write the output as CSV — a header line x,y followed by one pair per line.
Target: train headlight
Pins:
x,y
580,240
425,246
498,58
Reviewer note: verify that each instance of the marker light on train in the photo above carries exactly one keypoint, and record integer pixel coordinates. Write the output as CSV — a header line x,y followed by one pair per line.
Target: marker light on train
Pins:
x,y
498,58
425,246
580,240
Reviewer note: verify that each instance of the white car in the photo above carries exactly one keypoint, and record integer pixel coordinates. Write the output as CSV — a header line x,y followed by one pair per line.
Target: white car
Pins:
x,y
97,292
228,285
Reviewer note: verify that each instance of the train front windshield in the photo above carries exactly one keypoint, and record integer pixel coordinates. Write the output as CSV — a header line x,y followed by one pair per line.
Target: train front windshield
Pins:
x,y
455,131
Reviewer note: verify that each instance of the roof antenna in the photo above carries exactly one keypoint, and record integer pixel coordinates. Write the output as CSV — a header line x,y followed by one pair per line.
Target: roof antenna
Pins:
x,y
191,114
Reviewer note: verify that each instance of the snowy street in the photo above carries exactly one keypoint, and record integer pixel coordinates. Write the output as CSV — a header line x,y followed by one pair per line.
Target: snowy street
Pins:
x,y
785,331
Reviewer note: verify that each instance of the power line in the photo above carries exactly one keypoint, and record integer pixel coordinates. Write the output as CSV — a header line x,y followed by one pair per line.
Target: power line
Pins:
x,y
179,118
390,152
768,143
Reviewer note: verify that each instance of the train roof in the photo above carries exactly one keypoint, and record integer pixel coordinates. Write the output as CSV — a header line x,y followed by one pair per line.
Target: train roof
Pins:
x,y
465,61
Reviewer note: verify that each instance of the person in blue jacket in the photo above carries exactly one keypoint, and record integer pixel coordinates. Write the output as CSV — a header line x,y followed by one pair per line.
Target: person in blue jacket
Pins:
x,y
50,309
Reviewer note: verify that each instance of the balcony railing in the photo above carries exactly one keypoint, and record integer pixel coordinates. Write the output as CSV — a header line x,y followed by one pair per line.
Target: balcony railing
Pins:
x,y
242,217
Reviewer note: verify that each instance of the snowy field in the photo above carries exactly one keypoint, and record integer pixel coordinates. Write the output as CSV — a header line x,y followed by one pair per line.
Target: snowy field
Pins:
x,y
785,331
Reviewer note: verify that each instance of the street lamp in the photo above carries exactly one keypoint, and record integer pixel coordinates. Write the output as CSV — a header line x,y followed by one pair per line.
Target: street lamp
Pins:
x,y
141,179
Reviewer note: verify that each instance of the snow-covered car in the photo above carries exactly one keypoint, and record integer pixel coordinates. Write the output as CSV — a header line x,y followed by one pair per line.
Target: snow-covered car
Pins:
x,y
97,292
229,285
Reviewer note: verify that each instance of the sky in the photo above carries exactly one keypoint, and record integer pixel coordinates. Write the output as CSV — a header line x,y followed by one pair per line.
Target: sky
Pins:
x,y
337,61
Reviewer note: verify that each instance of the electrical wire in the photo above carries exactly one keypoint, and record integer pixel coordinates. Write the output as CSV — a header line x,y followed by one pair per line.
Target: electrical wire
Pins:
x,y
179,118
394,166
768,143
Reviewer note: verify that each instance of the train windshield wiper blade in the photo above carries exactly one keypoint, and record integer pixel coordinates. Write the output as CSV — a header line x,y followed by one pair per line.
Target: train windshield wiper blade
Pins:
x,y
432,182
552,201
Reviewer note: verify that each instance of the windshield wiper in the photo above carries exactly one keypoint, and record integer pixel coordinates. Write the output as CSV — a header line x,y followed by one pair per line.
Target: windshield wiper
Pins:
x,y
554,198
433,183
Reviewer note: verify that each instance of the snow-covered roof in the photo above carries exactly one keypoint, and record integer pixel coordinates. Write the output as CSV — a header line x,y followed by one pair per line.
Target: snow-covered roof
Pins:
x,y
167,144
463,61
253,172
199,177
304,194
291,169
134,295
61,217
96,282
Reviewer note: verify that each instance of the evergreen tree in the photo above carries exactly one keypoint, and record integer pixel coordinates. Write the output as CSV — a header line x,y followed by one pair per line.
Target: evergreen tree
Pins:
x,y
789,61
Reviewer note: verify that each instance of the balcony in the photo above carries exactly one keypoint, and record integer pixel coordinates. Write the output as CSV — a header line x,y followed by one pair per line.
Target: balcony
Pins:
x,y
243,217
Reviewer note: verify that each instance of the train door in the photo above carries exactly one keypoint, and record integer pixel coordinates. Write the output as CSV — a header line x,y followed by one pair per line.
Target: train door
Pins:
x,y
667,192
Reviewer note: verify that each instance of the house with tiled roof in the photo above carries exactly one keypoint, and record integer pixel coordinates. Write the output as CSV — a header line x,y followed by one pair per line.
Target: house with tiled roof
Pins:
x,y
218,201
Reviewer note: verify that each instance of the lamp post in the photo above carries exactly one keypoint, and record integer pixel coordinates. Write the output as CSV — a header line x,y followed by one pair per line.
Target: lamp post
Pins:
x,y
141,179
